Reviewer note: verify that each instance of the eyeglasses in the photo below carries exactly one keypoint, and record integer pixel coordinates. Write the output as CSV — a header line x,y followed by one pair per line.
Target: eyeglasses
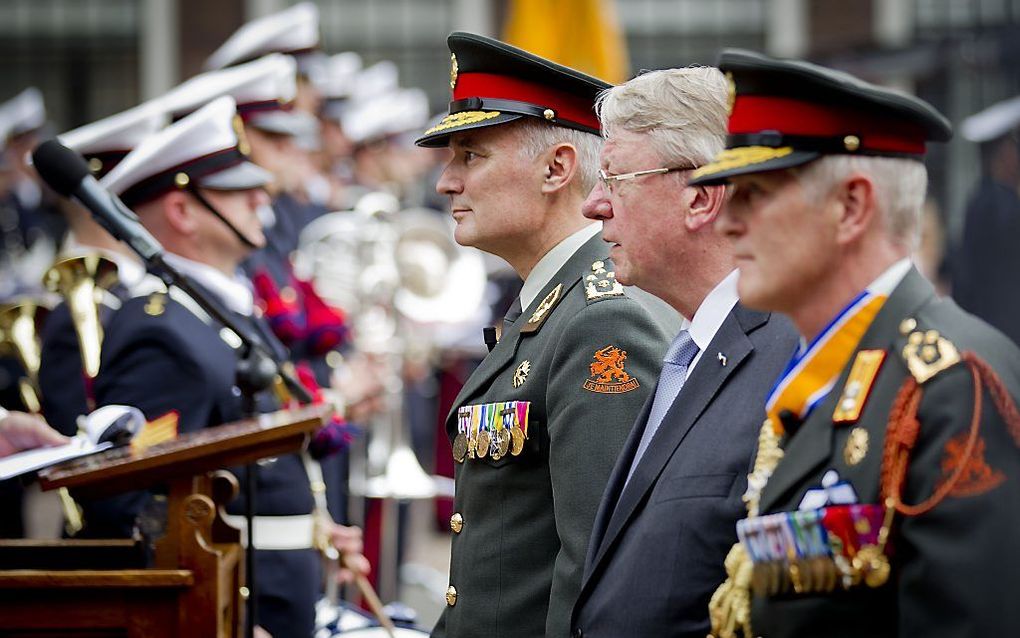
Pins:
x,y
609,180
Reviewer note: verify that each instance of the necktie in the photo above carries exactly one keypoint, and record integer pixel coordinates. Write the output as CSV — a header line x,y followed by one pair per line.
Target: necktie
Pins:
x,y
674,373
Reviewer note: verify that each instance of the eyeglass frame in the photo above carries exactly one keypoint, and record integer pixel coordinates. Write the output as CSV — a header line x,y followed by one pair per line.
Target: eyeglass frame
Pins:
x,y
608,180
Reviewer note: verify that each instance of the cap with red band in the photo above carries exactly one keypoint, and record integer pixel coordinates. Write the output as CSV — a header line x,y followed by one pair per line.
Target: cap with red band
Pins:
x,y
494,83
785,113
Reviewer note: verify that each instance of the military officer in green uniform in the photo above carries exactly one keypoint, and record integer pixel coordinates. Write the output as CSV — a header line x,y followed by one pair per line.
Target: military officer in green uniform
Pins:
x,y
536,429
885,496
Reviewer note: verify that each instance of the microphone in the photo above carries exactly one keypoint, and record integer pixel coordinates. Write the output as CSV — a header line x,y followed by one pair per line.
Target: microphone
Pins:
x,y
66,172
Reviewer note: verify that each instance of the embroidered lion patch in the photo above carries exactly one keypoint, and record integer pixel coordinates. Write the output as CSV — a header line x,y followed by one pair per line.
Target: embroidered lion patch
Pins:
x,y
607,375
977,476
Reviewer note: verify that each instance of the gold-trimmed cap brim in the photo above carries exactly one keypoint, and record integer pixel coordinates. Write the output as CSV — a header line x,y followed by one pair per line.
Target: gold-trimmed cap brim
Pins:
x,y
749,159
439,135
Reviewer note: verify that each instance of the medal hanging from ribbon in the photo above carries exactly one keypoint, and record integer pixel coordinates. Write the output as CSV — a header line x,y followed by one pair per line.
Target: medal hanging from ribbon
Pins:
x,y
812,551
491,430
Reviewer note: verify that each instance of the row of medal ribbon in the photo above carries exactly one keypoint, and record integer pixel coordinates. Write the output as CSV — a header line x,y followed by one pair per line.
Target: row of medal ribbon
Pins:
x,y
491,429
811,551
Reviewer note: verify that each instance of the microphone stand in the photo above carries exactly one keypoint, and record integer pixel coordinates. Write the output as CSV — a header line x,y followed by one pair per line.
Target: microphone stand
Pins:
x,y
257,367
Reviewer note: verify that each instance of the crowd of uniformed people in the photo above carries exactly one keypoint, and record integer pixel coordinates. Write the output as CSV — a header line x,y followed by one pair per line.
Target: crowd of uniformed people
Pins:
x,y
719,395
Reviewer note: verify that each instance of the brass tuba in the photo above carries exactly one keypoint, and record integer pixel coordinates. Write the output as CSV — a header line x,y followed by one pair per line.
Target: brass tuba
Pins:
x,y
20,321
82,282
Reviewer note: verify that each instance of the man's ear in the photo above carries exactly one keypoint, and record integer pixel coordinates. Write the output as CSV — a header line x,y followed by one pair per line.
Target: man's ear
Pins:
x,y
177,214
560,165
855,197
703,204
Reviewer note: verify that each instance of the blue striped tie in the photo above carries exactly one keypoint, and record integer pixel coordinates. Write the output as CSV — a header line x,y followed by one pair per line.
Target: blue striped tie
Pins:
x,y
674,373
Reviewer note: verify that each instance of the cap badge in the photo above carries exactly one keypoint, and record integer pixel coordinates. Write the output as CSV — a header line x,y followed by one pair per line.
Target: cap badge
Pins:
x,y
453,71
731,93
242,139
607,375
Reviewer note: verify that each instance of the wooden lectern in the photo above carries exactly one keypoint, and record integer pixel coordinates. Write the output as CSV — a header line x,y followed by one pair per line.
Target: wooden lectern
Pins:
x,y
103,588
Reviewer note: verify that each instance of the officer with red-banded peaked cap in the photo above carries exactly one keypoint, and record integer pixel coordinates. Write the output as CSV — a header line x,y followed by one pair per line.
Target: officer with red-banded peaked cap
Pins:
x,y
884,499
536,429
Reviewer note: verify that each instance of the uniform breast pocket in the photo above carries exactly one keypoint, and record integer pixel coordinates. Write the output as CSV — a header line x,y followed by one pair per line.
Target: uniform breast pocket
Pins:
x,y
697,486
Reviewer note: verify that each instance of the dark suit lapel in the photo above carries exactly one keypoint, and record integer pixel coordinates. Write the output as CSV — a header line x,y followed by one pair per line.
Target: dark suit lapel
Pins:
x,y
812,444
699,390
505,351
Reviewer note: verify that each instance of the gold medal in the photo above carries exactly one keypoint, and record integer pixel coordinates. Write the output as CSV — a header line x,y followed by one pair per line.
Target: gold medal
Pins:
x,y
460,447
759,580
482,444
873,566
517,441
503,441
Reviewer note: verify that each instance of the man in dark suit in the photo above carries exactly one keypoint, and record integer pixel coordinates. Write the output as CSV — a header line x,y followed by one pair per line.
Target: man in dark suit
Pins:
x,y
669,512
885,494
537,427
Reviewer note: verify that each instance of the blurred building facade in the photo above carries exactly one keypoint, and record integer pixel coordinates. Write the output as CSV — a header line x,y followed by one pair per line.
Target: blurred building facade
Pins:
x,y
92,58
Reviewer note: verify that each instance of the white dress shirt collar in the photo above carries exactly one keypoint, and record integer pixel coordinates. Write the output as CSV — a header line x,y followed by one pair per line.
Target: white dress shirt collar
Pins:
x,y
711,314
235,292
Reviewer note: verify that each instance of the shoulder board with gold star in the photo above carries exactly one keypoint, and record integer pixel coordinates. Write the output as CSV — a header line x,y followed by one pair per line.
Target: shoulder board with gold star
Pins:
x,y
543,310
601,283
927,352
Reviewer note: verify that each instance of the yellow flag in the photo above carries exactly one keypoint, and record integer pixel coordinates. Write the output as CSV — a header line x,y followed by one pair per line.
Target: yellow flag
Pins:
x,y
582,34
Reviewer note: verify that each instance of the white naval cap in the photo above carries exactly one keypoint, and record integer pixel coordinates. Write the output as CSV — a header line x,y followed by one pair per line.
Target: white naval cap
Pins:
x,y
337,82
104,143
386,115
380,78
294,30
206,148
993,122
23,113
263,90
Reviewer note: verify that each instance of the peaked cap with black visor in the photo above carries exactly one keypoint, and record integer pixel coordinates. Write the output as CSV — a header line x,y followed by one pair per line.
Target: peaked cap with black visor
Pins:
x,y
786,113
495,83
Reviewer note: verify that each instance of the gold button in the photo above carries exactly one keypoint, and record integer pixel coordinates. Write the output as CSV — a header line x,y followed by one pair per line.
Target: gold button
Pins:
x,y
456,522
851,142
451,595
181,180
549,114
907,325
288,295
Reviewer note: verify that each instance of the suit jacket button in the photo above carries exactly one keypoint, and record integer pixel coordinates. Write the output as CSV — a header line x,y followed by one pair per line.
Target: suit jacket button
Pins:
x,y
451,595
456,522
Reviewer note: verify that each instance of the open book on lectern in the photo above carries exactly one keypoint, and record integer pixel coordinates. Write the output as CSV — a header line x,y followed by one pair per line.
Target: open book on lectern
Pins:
x,y
107,427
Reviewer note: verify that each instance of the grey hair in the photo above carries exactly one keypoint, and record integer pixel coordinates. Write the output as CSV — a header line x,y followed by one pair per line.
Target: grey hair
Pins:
x,y
900,188
538,136
683,111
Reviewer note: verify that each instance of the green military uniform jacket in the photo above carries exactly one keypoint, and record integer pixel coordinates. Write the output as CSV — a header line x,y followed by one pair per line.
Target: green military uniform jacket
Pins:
x,y
522,523
955,571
